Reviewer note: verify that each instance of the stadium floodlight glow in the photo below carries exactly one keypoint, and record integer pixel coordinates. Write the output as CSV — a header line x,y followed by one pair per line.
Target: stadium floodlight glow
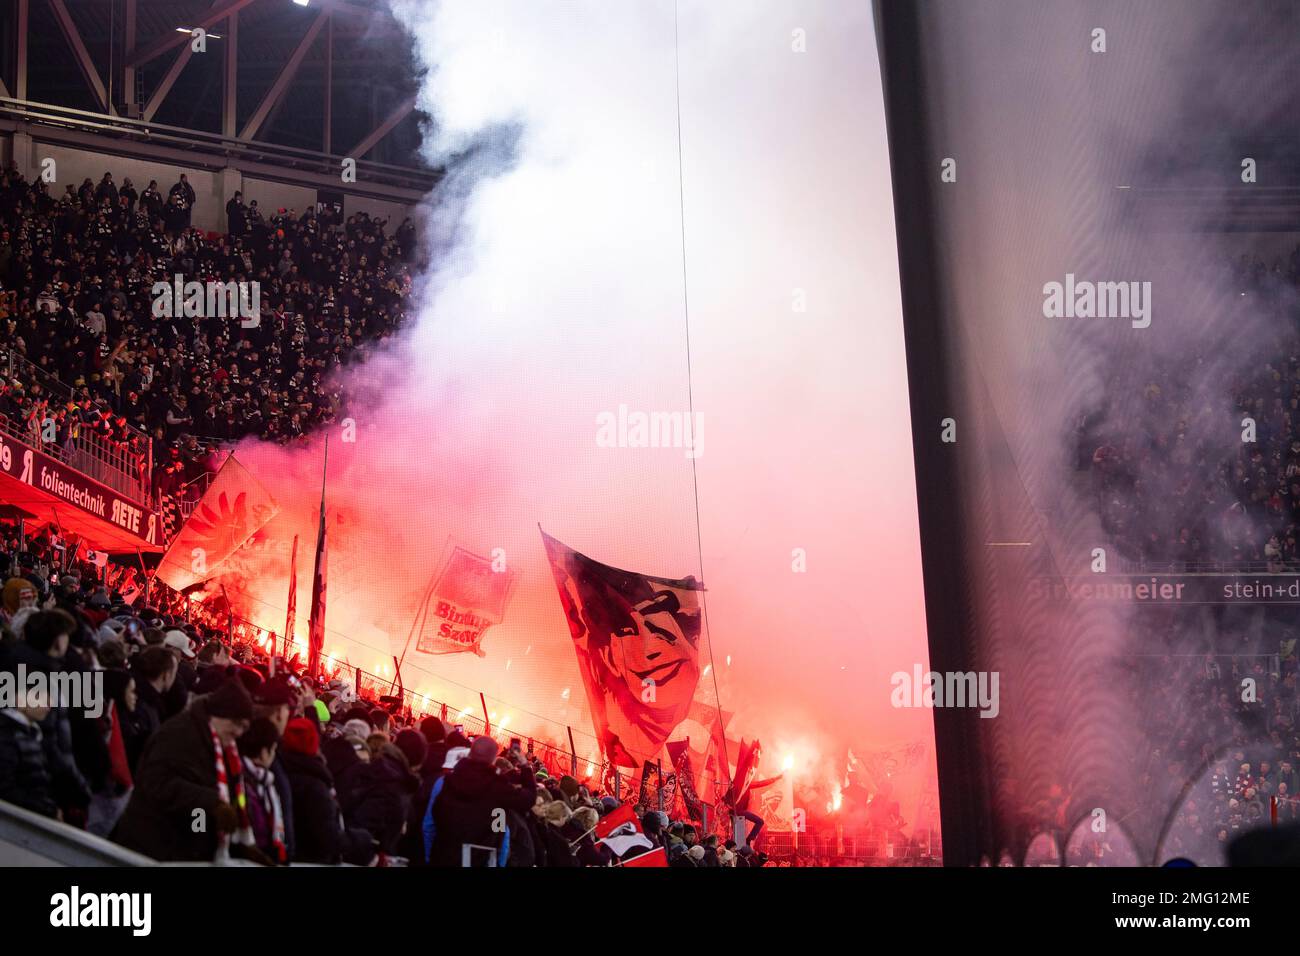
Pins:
x,y
210,36
302,3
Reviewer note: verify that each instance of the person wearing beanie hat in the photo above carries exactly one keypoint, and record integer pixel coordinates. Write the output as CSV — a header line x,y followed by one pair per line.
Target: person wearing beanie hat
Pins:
x,y
357,728
434,730
300,737
466,803
696,853
569,787
412,744
650,825
189,770
273,699
319,831
230,702
18,593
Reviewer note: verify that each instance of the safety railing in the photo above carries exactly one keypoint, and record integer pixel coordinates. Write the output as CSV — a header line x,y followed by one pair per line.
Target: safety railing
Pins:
x,y
124,465
214,148
1210,567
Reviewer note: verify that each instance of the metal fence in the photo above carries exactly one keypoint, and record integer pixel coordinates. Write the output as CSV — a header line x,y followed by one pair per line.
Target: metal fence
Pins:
x,y
852,845
557,757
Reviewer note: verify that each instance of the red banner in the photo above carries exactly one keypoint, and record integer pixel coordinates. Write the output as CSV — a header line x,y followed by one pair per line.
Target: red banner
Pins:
x,y
469,596
637,639
233,508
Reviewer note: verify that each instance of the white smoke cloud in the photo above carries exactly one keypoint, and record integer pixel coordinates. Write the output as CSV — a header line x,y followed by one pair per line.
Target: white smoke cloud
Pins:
x,y
557,293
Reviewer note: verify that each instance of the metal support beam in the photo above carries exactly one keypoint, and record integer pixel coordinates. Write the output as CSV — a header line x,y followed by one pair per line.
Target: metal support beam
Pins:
x,y
20,63
165,87
230,76
128,51
258,164
383,129
170,41
373,21
329,84
81,54
285,78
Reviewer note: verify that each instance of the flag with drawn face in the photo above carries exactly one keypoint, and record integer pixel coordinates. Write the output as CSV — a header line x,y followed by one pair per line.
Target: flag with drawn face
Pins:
x,y
637,639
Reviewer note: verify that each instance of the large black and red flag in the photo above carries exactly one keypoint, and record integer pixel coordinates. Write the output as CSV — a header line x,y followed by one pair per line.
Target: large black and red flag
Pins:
x,y
637,638
316,623
679,751
743,782
293,598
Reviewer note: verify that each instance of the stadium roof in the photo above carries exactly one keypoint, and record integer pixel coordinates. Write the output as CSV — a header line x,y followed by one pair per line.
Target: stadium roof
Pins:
x,y
336,77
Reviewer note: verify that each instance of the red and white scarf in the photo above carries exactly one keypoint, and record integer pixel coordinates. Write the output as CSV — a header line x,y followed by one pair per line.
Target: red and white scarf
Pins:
x,y
228,755
262,783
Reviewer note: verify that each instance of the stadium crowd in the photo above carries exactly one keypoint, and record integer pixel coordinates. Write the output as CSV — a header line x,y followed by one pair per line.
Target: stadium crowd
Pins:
x,y
77,272
284,770
1225,743
1179,487
1175,482
204,750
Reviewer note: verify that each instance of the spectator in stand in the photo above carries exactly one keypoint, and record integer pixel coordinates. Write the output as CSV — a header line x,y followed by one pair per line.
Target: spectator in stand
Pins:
x,y
25,777
71,739
275,701
212,668
464,803
236,223
181,758
319,830
555,835
379,798
178,644
190,772
137,720
182,195
267,816
117,725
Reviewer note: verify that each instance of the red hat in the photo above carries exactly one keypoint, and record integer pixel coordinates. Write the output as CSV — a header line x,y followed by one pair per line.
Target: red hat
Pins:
x,y
301,737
